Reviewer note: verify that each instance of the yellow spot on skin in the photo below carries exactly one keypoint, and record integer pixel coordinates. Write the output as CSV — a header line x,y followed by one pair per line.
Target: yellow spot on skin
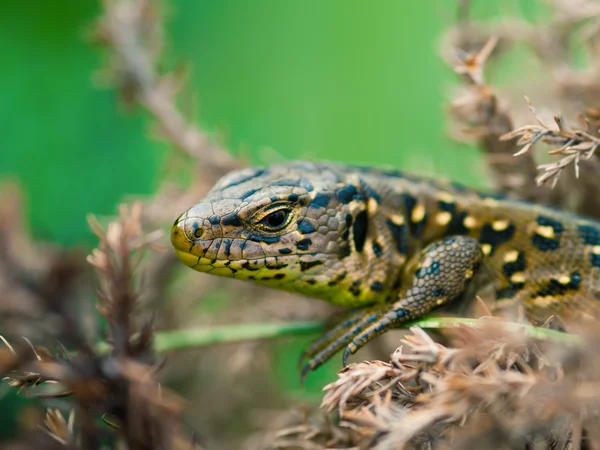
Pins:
x,y
442,218
397,219
470,222
596,249
546,230
440,301
418,213
468,274
500,225
490,202
518,277
545,301
564,279
511,256
446,197
426,262
372,206
486,249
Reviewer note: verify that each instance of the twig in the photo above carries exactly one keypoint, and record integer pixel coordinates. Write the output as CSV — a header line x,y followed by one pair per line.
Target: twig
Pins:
x,y
132,30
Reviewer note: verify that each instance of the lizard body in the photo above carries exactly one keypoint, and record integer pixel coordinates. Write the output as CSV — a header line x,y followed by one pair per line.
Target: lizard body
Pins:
x,y
391,246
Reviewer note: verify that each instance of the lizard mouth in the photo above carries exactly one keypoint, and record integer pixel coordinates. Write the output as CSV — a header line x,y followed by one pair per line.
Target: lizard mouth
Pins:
x,y
193,253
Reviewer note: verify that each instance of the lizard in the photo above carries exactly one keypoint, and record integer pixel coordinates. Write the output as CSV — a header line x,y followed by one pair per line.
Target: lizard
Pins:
x,y
390,246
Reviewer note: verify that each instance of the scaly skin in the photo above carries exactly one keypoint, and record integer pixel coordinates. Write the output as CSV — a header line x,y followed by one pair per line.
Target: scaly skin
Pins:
x,y
391,246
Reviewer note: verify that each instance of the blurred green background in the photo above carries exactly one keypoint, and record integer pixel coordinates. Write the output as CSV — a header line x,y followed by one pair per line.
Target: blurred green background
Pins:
x,y
354,81
351,81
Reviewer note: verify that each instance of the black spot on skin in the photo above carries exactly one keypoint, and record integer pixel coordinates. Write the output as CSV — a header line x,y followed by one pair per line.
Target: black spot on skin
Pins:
x,y
543,243
389,173
277,266
293,198
355,288
251,277
510,268
311,282
346,194
447,206
359,230
376,286
344,250
377,249
321,200
279,276
214,220
227,243
432,269
266,278
246,266
495,238
589,234
556,288
299,182
231,220
456,225
255,173
369,191
341,276
460,188
285,251
248,193
218,245
349,219
438,292
399,235
304,244
267,239
305,227
305,265
416,228
306,185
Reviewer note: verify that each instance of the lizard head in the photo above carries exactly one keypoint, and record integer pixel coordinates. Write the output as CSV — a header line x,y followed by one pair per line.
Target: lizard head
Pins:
x,y
283,226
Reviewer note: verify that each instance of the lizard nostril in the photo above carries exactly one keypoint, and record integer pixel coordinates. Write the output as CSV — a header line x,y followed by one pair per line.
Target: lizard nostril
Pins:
x,y
198,232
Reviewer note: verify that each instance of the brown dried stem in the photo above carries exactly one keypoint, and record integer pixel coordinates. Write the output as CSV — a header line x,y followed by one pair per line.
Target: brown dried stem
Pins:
x,y
132,29
572,144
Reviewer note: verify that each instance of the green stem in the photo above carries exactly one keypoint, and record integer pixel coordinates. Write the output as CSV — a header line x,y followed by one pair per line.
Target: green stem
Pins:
x,y
198,337
531,331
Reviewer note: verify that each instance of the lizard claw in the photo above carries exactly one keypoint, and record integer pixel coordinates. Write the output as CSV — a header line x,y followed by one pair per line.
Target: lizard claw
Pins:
x,y
349,351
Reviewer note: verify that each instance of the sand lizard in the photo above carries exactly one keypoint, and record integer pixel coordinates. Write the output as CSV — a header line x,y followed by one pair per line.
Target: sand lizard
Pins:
x,y
391,246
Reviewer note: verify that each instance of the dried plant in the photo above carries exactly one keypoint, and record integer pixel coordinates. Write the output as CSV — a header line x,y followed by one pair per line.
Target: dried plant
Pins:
x,y
117,384
481,113
573,144
489,389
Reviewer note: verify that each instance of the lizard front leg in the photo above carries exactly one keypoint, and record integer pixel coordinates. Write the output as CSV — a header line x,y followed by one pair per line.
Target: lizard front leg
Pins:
x,y
440,275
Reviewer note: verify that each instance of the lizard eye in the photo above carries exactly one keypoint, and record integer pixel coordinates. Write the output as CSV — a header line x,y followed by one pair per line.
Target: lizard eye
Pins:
x,y
276,220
